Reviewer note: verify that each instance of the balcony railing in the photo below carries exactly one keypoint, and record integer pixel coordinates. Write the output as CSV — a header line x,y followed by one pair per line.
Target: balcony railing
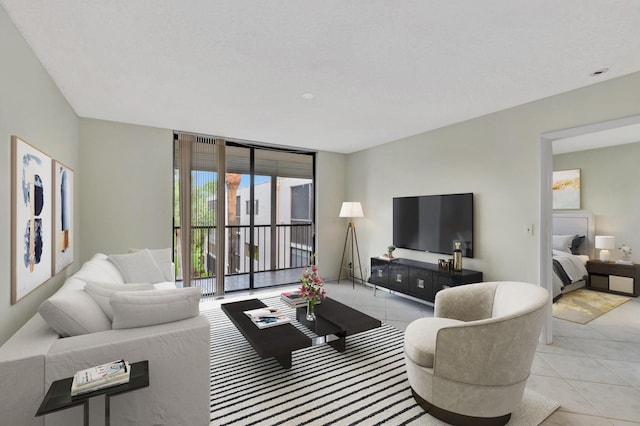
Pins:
x,y
275,247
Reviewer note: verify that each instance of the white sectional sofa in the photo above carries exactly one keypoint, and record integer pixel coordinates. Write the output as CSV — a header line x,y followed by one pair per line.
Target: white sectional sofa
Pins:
x,y
161,325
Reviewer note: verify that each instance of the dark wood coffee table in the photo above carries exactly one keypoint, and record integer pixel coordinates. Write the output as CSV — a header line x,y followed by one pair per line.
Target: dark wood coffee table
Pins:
x,y
334,322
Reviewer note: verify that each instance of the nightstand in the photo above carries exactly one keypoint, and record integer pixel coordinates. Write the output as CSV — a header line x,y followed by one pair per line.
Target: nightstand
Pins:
x,y
614,278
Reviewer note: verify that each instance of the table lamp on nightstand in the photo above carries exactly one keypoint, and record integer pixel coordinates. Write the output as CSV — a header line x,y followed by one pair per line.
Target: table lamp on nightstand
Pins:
x,y
605,243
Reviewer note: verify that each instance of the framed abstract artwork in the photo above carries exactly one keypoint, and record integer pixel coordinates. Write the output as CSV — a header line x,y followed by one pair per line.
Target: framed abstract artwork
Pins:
x,y
566,189
62,216
31,218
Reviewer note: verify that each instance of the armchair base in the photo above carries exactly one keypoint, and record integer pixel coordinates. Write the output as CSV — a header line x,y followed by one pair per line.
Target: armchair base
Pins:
x,y
458,419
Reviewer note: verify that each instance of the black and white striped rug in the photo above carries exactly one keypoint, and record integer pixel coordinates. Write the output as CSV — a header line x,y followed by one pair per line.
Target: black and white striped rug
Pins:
x,y
365,385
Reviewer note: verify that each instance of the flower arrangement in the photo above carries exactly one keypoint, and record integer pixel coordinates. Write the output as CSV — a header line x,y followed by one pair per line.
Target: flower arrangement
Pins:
x,y
626,252
312,285
311,289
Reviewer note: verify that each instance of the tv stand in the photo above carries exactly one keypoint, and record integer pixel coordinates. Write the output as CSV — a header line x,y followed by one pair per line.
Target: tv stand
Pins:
x,y
421,280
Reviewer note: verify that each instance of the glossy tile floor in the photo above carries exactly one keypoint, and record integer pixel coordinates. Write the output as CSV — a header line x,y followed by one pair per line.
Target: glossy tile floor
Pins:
x,y
592,370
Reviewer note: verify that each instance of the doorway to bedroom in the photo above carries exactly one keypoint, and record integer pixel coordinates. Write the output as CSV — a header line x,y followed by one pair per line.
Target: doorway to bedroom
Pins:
x,y
588,137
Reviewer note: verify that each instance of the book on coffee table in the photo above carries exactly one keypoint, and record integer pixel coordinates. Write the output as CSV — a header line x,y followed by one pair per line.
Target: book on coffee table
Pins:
x,y
267,317
293,298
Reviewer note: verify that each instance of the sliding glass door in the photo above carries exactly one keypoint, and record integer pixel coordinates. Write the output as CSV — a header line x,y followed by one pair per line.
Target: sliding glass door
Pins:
x,y
266,215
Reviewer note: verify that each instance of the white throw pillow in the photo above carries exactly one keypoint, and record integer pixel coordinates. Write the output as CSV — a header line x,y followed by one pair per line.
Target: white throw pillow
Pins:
x,y
99,269
100,292
73,312
563,242
138,267
163,259
143,308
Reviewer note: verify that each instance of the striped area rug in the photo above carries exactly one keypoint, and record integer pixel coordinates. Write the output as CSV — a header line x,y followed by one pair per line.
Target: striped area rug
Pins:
x,y
365,385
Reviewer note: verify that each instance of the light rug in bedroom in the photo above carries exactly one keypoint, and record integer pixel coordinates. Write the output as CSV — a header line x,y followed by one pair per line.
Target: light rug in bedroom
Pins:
x,y
581,306
364,385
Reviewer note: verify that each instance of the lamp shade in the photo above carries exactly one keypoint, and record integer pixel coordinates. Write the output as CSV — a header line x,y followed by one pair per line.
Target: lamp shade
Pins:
x,y
606,242
351,209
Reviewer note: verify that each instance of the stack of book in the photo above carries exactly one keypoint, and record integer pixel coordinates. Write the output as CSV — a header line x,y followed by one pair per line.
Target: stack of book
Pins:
x,y
100,377
267,317
293,299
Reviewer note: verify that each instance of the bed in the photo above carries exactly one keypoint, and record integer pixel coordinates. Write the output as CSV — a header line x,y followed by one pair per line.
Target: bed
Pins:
x,y
573,244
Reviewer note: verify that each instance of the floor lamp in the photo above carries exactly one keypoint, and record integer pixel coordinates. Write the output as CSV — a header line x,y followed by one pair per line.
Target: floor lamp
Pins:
x,y
351,209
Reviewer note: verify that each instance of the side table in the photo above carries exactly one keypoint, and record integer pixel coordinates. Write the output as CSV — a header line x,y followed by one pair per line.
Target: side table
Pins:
x,y
59,397
613,277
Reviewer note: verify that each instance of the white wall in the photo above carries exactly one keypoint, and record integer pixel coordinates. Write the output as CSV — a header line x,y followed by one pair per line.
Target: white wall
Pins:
x,y
497,158
127,191
610,190
32,107
331,191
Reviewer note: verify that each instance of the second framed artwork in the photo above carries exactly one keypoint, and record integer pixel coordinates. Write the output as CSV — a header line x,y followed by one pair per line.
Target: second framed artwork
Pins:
x,y
62,216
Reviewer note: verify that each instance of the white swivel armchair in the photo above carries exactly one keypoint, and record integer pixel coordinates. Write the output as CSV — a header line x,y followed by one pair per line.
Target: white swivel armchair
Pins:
x,y
470,363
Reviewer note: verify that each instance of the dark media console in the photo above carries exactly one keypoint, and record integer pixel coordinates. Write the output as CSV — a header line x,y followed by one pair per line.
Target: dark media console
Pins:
x,y
418,279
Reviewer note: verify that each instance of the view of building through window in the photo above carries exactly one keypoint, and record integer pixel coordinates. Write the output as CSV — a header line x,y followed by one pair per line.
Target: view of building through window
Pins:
x,y
268,220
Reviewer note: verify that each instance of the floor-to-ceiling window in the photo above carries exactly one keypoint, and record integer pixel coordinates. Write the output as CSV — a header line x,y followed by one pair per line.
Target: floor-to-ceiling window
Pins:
x,y
266,212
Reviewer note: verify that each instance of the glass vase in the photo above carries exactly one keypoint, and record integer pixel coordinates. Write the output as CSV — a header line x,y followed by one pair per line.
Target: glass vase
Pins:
x,y
311,310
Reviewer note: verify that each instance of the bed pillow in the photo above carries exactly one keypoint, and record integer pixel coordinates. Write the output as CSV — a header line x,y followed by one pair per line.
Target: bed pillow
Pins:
x,y
563,242
101,292
138,267
72,313
144,308
576,243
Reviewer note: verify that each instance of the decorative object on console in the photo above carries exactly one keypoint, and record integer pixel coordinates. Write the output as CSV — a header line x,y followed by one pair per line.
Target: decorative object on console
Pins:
x,y
390,250
312,290
605,243
626,255
443,264
457,257
351,209
566,189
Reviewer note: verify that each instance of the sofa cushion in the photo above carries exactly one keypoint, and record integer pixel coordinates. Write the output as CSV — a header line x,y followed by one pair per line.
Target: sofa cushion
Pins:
x,y
98,268
420,339
73,312
163,259
138,267
102,291
143,308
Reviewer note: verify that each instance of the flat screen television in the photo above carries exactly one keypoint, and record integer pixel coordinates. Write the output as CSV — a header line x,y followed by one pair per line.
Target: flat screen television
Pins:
x,y
434,222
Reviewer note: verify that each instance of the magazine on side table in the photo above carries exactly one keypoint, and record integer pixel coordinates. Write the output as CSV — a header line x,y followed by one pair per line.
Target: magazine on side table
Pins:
x,y
100,377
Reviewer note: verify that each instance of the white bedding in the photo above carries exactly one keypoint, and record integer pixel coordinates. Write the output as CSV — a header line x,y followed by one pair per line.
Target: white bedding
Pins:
x,y
575,269
573,264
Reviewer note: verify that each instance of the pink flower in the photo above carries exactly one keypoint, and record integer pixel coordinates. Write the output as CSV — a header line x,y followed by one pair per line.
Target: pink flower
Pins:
x,y
311,285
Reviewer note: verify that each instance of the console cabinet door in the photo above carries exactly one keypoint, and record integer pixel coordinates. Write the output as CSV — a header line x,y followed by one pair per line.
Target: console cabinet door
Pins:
x,y
379,272
421,284
399,278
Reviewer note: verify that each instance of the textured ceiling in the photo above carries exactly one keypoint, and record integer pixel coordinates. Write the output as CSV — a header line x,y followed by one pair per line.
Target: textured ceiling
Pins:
x,y
378,70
